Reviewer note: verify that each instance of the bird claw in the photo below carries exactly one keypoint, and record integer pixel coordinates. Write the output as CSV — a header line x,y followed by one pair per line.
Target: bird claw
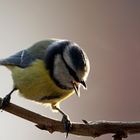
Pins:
x,y
5,101
87,122
67,124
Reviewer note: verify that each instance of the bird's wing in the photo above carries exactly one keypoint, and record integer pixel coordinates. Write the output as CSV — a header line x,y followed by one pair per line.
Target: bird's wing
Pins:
x,y
25,57
21,59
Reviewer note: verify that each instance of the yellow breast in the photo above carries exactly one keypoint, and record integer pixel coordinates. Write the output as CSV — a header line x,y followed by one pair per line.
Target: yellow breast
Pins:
x,y
35,83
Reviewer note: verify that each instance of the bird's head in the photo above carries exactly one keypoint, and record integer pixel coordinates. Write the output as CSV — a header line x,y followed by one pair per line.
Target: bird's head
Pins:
x,y
68,64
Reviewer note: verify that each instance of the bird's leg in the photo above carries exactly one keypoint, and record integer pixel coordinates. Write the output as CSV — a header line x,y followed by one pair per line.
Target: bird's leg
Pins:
x,y
6,100
65,120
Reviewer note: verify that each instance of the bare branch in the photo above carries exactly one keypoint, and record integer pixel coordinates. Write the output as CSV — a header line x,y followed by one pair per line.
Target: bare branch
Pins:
x,y
119,129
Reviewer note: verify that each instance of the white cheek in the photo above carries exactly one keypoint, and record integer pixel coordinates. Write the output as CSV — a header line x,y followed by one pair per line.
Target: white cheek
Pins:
x,y
61,73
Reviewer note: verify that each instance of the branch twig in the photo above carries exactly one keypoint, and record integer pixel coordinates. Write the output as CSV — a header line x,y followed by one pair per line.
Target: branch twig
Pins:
x,y
119,129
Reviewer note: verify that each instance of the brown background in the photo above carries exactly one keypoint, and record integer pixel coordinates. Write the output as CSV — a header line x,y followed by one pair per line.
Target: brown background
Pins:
x,y
108,31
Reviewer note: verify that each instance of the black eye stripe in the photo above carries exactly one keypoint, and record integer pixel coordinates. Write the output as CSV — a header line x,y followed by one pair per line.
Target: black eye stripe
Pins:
x,y
71,71
58,49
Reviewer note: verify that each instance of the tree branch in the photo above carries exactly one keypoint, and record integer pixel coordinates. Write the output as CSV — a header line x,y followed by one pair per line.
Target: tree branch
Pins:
x,y
95,129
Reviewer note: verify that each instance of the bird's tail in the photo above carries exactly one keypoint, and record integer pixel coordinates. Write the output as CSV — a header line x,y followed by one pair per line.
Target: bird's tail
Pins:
x,y
2,62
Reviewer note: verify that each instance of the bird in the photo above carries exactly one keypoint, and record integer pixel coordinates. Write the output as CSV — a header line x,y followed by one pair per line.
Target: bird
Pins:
x,y
48,72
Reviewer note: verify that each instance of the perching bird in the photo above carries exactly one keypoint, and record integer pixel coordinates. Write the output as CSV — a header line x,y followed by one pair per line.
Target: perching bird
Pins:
x,y
50,71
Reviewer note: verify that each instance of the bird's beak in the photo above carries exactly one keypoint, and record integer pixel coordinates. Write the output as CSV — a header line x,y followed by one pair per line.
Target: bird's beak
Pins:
x,y
76,88
83,84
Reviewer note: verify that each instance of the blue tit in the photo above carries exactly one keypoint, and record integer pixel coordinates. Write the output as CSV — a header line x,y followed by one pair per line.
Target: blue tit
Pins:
x,y
48,72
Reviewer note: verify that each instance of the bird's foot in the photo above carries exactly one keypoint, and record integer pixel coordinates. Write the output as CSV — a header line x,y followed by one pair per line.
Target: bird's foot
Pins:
x,y
5,101
67,124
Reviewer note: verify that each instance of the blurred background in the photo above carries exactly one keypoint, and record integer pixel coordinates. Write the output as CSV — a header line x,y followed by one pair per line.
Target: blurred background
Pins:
x,y
108,31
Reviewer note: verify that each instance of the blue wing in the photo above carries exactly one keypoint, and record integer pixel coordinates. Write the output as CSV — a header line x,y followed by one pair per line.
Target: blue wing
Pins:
x,y
21,59
25,57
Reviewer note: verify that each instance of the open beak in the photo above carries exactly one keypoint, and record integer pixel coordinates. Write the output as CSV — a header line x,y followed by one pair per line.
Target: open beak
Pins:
x,y
83,84
76,87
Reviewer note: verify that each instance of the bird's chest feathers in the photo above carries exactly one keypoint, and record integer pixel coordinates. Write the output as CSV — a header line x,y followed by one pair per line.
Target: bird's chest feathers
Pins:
x,y
36,84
